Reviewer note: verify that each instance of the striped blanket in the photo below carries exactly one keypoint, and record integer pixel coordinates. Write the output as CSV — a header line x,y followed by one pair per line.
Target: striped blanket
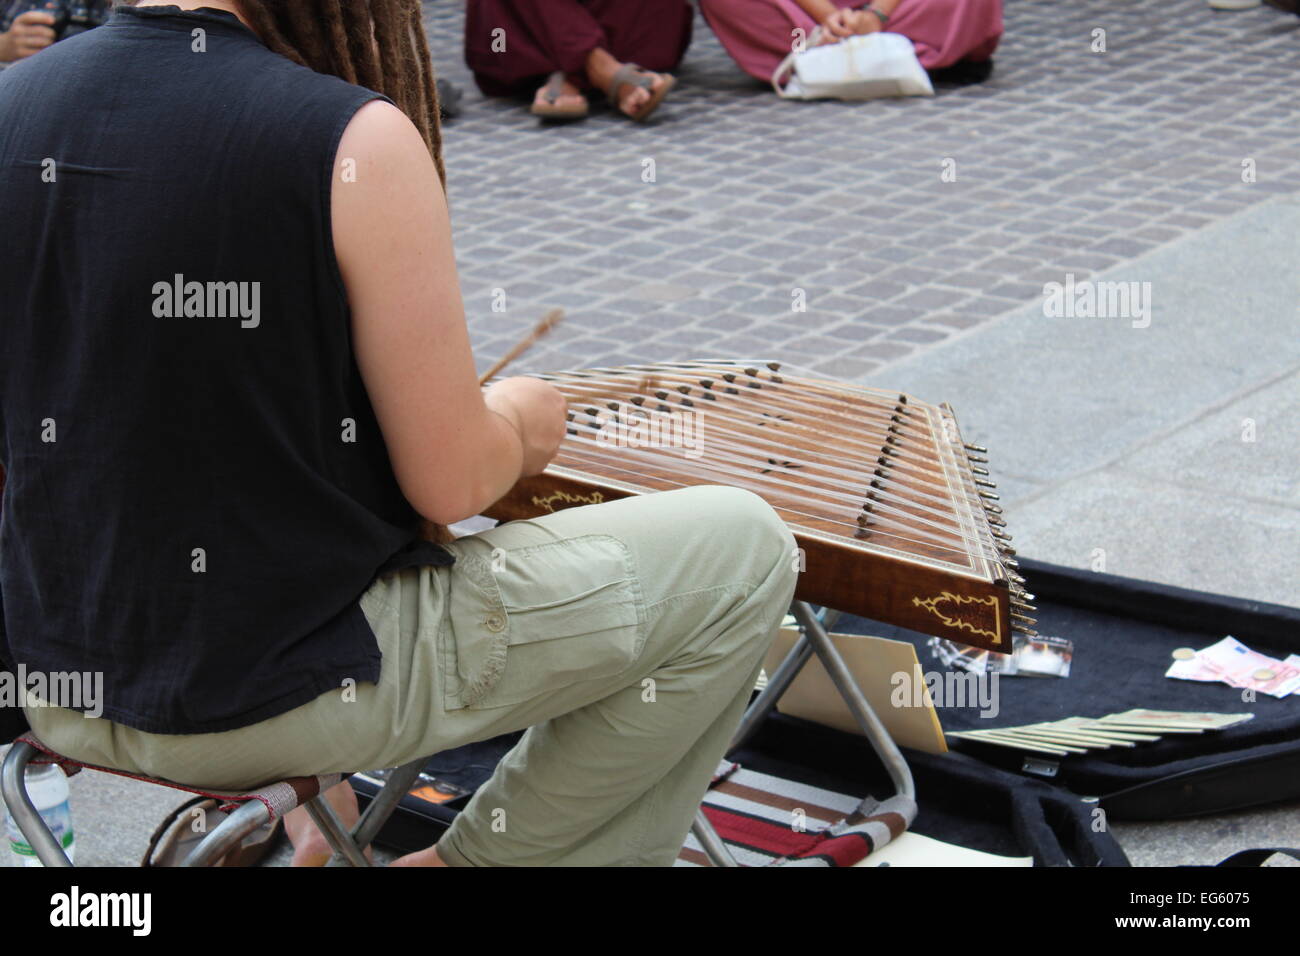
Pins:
x,y
769,821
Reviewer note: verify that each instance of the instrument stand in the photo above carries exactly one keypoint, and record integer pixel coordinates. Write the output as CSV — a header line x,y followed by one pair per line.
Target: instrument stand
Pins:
x,y
812,639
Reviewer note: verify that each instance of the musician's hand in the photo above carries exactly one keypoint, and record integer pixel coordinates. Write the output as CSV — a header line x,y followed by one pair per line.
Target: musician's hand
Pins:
x,y
537,411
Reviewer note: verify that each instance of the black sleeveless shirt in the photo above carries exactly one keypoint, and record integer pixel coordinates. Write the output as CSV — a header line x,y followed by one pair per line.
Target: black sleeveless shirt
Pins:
x,y
197,491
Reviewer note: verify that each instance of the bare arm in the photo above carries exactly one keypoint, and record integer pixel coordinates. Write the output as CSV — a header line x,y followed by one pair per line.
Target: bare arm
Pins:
x,y
455,449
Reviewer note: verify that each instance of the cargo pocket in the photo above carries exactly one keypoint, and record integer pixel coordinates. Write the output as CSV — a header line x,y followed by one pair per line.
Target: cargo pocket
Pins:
x,y
527,620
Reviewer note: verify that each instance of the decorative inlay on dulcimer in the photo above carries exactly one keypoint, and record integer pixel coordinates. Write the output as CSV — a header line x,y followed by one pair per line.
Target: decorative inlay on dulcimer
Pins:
x,y
893,513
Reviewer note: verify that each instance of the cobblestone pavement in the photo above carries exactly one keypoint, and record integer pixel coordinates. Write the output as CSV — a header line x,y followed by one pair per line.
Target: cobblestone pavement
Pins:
x,y
1067,160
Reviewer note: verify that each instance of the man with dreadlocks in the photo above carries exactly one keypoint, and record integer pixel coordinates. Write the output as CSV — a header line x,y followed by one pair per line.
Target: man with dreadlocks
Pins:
x,y
236,377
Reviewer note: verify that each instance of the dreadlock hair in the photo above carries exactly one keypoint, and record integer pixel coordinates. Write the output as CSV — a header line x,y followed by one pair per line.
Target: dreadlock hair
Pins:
x,y
378,44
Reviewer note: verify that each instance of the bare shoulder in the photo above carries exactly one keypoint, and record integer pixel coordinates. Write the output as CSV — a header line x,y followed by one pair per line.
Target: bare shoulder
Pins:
x,y
387,205
381,139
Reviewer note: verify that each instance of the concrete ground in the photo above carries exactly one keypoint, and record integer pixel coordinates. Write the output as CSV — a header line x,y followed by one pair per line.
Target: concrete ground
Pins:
x,y
1170,450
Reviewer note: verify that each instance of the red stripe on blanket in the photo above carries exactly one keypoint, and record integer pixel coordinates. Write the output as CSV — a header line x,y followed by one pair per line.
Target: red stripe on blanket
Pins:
x,y
774,839
763,835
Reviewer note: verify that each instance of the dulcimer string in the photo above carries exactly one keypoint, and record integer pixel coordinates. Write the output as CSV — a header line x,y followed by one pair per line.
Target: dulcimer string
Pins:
x,y
594,440
846,492
899,446
921,471
620,462
924,483
849,431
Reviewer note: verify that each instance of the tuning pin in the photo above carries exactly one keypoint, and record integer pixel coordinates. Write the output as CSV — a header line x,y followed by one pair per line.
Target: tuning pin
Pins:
x,y
992,508
1018,579
983,483
1011,562
1028,631
1023,619
1000,535
977,448
990,495
977,459
995,522
976,470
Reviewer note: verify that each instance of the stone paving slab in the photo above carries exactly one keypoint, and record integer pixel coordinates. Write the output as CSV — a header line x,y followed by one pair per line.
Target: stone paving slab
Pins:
x,y
1055,397
1130,439
1159,530
1249,450
1066,159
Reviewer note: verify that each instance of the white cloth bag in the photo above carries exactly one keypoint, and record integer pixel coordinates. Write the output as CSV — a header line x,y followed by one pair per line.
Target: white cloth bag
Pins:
x,y
863,67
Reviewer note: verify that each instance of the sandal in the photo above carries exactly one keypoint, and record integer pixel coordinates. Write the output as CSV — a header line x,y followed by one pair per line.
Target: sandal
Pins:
x,y
630,73
551,93
176,837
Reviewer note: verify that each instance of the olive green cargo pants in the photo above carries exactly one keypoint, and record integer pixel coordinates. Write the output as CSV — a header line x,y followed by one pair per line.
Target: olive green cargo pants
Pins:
x,y
626,636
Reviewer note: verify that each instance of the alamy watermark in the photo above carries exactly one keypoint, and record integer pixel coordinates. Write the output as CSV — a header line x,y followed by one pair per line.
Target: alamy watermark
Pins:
x,y
71,690
1098,300
946,689
209,300
634,428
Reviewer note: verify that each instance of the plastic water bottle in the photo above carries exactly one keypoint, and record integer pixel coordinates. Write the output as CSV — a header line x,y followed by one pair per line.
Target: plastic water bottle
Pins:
x,y
48,788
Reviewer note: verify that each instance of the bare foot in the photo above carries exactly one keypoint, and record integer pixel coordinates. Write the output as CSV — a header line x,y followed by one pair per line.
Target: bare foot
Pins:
x,y
632,99
570,98
427,857
310,848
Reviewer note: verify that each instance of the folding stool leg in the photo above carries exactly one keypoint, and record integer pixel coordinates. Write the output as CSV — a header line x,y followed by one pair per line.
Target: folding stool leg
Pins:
x,y
866,718
340,839
814,639
397,785
13,784
229,833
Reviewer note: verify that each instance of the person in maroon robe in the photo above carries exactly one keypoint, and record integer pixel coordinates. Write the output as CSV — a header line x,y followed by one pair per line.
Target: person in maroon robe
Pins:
x,y
624,48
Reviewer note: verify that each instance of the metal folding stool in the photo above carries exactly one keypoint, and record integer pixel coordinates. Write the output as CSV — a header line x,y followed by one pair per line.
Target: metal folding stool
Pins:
x,y
813,639
256,808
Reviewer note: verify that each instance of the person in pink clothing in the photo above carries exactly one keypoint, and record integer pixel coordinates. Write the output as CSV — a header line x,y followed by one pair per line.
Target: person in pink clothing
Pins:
x,y
759,34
